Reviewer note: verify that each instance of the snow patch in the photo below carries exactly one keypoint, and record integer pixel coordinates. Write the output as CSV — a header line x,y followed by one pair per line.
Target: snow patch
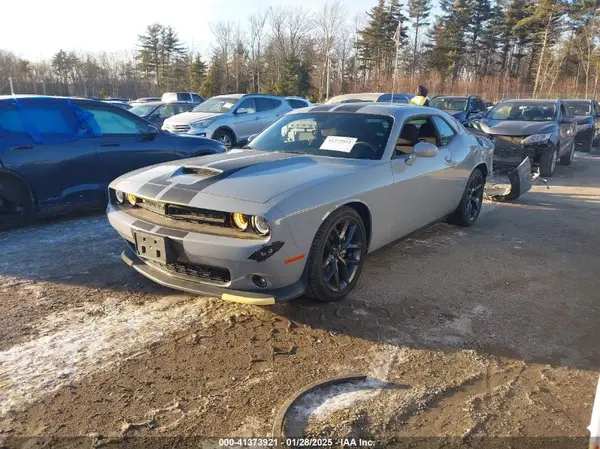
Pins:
x,y
79,341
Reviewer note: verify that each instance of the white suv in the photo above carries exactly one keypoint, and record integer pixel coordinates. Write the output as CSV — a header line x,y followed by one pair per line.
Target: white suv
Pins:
x,y
230,119
186,97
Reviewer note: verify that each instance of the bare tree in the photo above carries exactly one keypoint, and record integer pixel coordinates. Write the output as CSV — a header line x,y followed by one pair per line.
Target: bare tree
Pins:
x,y
223,33
257,31
329,22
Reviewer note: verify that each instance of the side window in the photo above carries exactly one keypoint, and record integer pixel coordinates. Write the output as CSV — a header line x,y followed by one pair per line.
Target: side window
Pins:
x,y
112,122
563,111
197,98
248,104
415,130
43,120
264,104
445,131
297,104
183,97
181,108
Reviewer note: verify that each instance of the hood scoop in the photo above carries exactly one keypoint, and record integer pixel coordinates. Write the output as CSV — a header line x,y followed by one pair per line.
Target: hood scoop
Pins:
x,y
199,171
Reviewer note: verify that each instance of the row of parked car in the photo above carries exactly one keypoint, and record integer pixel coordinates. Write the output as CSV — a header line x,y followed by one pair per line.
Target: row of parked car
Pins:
x,y
59,154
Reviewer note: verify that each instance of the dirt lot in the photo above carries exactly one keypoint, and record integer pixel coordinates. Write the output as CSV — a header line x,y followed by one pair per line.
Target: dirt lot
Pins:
x,y
492,331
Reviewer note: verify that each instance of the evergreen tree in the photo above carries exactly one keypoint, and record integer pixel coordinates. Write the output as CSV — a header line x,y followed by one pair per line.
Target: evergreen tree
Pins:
x,y
418,11
197,73
449,35
150,51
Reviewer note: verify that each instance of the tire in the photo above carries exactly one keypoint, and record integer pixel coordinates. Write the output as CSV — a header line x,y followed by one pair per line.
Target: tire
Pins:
x,y
588,143
548,162
16,204
568,158
467,212
341,238
225,137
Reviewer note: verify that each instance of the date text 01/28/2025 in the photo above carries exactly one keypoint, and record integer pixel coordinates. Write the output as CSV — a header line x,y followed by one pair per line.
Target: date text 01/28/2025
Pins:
x,y
296,442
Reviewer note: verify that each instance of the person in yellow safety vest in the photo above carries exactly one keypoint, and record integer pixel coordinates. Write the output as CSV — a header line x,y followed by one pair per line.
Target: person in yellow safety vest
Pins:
x,y
421,98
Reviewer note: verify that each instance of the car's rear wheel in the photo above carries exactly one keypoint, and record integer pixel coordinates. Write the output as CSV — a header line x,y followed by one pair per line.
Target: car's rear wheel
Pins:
x,y
16,204
337,256
568,158
548,161
225,137
468,210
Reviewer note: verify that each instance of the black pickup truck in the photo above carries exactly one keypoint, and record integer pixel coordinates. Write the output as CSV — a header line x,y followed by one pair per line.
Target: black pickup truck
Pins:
x,y
587,113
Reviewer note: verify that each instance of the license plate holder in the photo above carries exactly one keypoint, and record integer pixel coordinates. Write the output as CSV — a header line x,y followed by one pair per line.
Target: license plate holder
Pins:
x,y
153,247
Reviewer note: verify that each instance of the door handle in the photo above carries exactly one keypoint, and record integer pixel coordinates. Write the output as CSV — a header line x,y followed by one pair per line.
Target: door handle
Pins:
x,y
110,144
22,147
448,159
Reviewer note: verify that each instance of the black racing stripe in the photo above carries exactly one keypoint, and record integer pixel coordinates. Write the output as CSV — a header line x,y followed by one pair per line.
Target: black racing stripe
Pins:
x,y
350,107
142,225
154,186
180,196
245,162
323,108
172,233
150,190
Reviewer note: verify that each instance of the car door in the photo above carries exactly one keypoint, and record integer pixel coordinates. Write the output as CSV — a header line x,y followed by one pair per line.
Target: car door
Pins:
x,y
40,140
566,130
267,111
246,120
419,182
125,142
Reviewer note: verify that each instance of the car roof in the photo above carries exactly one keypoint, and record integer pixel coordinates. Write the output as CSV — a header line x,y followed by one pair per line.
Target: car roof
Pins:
x,y
159,103
579,100
530,100
396,110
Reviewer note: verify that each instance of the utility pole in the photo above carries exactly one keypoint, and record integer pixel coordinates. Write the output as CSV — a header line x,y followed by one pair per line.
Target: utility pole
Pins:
x,y
12,91
328,69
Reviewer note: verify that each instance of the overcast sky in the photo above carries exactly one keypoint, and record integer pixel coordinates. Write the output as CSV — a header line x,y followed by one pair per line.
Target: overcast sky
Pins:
x,y
36,29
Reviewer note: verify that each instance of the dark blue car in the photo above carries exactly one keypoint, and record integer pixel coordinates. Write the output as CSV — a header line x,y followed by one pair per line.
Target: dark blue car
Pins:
x,y
59,154
156,112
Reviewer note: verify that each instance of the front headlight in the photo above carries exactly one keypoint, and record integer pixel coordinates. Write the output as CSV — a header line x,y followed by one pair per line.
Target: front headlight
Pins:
x,y
201,124
240,221
536,138
119,196
261,225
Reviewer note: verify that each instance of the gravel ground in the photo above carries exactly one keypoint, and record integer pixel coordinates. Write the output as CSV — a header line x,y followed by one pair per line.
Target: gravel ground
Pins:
x,y
489,331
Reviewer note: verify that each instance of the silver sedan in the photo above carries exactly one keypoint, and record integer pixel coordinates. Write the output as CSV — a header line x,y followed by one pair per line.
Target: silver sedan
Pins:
x,y
299,208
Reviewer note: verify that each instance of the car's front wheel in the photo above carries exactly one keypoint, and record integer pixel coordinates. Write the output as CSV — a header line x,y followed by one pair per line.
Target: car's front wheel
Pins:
x,y
225,137
548,161
16,204
337,256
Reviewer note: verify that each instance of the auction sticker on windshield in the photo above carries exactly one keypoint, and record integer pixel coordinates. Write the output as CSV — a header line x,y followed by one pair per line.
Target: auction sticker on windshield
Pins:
x,y
336,143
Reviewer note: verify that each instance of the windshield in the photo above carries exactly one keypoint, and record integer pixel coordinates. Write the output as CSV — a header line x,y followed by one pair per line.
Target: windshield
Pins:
x,y
525,112
219,105
142,110
452,104
334,134
579,108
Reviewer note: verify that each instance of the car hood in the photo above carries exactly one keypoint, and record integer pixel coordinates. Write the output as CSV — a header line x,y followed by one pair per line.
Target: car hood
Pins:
x,y
246,175
186,118
516,127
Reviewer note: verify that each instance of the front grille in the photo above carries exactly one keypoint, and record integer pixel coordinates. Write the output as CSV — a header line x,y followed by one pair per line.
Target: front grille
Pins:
x,y
507,142
153,206
178,128
206,272
196,215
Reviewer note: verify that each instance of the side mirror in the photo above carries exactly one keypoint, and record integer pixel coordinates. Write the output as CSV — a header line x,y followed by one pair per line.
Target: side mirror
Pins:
x,y
597,114
567,120
241,111
251,138
425,149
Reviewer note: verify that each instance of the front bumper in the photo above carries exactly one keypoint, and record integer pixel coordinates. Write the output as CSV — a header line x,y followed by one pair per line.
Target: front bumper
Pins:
x,y
509,152
258,299
216,265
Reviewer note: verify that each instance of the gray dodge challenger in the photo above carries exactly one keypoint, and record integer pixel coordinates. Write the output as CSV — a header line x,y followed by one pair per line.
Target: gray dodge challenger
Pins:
x,y
297,210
